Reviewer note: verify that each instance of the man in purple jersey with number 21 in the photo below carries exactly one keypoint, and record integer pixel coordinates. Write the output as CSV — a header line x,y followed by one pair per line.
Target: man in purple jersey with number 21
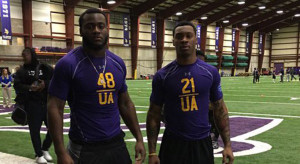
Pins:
x,y
184,88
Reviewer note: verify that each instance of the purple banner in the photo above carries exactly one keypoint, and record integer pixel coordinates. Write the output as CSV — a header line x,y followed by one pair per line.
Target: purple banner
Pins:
x,y
260,44
217,38
233,40
5,20
153,33
247,42
126,30
198,37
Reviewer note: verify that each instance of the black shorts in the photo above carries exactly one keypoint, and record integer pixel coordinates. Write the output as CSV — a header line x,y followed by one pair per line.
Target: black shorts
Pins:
x,y
178,151
113,151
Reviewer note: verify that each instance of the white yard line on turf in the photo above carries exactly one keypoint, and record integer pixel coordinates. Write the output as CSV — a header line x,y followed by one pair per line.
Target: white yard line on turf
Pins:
x,y
259,114
15,159
267,115
259,89
259,146
141,106
273,103
256,96
237,95
4,113
251,102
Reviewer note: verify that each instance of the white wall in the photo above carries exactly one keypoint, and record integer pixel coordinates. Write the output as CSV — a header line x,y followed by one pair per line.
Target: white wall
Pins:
x,y
284,46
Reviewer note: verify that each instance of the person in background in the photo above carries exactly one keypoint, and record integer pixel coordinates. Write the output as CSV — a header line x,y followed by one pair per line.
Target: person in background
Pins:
x,y
31,84
254,73
257,75
6,81
288,75
214,133
274,75
281,74
14,74
200,55
299,73
292,72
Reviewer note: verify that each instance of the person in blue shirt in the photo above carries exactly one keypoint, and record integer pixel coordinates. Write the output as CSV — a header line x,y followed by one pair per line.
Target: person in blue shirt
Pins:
x,y
185,87
6,88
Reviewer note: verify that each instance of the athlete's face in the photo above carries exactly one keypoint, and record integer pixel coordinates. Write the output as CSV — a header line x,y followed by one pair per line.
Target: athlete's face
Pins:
x,y
184,40
94,30
26,54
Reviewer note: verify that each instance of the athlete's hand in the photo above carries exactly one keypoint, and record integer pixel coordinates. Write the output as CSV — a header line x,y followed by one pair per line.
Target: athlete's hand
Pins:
x,y
64,158
154,160
140,152
227,154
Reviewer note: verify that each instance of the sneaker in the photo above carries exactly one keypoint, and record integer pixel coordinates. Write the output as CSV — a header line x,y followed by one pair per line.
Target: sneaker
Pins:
x,y
9,106
41,160
215,144
47,156
4,106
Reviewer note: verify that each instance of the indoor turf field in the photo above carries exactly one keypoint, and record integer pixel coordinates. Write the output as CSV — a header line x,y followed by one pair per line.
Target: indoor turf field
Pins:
x,y
264,120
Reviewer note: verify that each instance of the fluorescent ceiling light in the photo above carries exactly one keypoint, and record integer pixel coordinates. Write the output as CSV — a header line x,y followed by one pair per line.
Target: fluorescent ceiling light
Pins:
x,y
111,2
245,24
279,12
261,7
203,18
179,13
277,29
297,15
241,2
225,21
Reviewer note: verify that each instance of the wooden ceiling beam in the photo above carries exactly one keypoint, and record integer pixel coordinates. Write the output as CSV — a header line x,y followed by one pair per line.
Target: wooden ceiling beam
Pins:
x,y
113,6
163,14
145,6
240,17
203,10
272,21
71,3
269,14
228,11
281,25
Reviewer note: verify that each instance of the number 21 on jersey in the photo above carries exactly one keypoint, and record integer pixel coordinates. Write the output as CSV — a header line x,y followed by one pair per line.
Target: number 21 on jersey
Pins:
x,y
188,99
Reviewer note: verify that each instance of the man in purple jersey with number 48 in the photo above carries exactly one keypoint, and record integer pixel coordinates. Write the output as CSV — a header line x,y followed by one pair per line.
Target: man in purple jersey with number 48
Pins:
x,y
92,80
185,87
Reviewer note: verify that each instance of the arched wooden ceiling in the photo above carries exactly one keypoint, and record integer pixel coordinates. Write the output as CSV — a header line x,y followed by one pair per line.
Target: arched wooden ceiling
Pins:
x,y
217,11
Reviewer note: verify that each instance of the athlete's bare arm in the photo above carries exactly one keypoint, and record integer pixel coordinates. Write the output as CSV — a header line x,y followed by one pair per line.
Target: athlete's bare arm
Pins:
x,y
128,113
222,122
153,127
55,121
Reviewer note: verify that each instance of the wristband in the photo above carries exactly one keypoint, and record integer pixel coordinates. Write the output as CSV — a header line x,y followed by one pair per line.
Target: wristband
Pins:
x,y
152,154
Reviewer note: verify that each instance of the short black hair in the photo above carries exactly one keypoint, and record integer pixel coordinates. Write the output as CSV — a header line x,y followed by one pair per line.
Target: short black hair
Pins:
x,y
34,60
199,53
91,11
184,23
